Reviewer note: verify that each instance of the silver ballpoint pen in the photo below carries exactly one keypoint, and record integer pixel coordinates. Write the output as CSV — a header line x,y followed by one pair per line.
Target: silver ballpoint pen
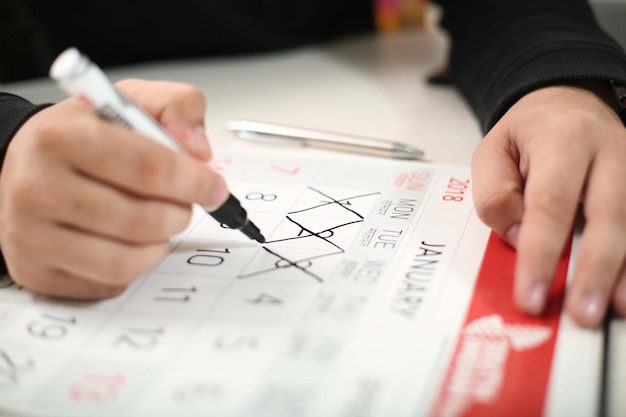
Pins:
x,y
272,133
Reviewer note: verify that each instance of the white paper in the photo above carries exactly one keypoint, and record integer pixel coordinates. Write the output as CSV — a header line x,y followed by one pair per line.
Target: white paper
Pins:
x,y
351,308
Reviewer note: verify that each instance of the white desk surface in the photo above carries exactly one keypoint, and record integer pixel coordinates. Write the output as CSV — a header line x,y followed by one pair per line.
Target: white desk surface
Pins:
x,y
371,86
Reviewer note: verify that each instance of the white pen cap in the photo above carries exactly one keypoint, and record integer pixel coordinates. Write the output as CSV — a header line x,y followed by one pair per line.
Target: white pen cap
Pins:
x,y
78,76
69,64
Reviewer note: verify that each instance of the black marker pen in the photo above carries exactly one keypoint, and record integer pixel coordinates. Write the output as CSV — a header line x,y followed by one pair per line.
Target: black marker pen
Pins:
x,y
78,76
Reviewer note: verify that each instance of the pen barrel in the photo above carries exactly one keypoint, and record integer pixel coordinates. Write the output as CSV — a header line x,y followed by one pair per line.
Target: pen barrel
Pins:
x,y
230,213
370,147
327,140
233,215
78,76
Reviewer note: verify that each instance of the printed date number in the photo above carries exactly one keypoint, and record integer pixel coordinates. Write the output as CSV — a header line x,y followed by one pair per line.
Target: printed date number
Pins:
x,y
455,190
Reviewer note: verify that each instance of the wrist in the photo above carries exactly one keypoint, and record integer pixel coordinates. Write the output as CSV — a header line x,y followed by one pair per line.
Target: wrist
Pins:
x,y
611,92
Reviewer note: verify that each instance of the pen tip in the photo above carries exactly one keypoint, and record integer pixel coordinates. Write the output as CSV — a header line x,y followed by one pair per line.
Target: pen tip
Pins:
x,y
402,151
253,232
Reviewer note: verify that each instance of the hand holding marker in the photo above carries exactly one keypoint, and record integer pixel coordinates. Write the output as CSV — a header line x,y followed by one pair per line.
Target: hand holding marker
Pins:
x,y
77,75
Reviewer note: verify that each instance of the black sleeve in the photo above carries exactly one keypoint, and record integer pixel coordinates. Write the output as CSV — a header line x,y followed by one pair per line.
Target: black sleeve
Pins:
x,y
501,50
14,111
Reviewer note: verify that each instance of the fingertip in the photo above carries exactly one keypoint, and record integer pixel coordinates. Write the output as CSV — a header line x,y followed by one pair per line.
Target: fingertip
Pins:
x,y
198,143
192,137
531,297
218,194
588,308
512,234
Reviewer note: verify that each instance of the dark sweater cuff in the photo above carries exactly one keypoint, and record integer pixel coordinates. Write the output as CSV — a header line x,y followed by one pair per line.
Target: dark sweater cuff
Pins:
x,y
550,64
14,111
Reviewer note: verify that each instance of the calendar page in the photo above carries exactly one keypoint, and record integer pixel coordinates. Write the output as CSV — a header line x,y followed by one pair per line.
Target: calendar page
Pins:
x,y
377,293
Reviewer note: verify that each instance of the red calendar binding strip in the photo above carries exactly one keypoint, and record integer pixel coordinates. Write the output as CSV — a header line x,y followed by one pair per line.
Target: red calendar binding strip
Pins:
x,y
502,360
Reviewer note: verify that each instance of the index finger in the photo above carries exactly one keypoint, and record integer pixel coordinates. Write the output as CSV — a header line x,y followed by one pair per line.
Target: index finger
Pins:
x,y
551,197
129,161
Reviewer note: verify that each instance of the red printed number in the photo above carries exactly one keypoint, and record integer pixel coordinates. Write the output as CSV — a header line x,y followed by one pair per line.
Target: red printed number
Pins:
x,y
455,190
97,388
292,171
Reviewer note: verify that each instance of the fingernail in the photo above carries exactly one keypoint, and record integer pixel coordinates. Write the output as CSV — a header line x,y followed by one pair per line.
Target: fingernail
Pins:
x,y
591,306
511,235
219,195
199,139
536,298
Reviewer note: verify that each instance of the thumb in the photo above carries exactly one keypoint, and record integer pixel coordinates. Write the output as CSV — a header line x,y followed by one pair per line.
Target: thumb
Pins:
x,y
183,118
179,107
193,138
498,185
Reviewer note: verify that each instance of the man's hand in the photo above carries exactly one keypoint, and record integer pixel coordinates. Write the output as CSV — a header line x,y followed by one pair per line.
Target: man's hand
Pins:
x,y
557,147
87,206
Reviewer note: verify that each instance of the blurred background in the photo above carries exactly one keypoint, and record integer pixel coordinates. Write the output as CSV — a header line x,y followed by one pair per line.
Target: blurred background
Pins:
x,y
611,14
